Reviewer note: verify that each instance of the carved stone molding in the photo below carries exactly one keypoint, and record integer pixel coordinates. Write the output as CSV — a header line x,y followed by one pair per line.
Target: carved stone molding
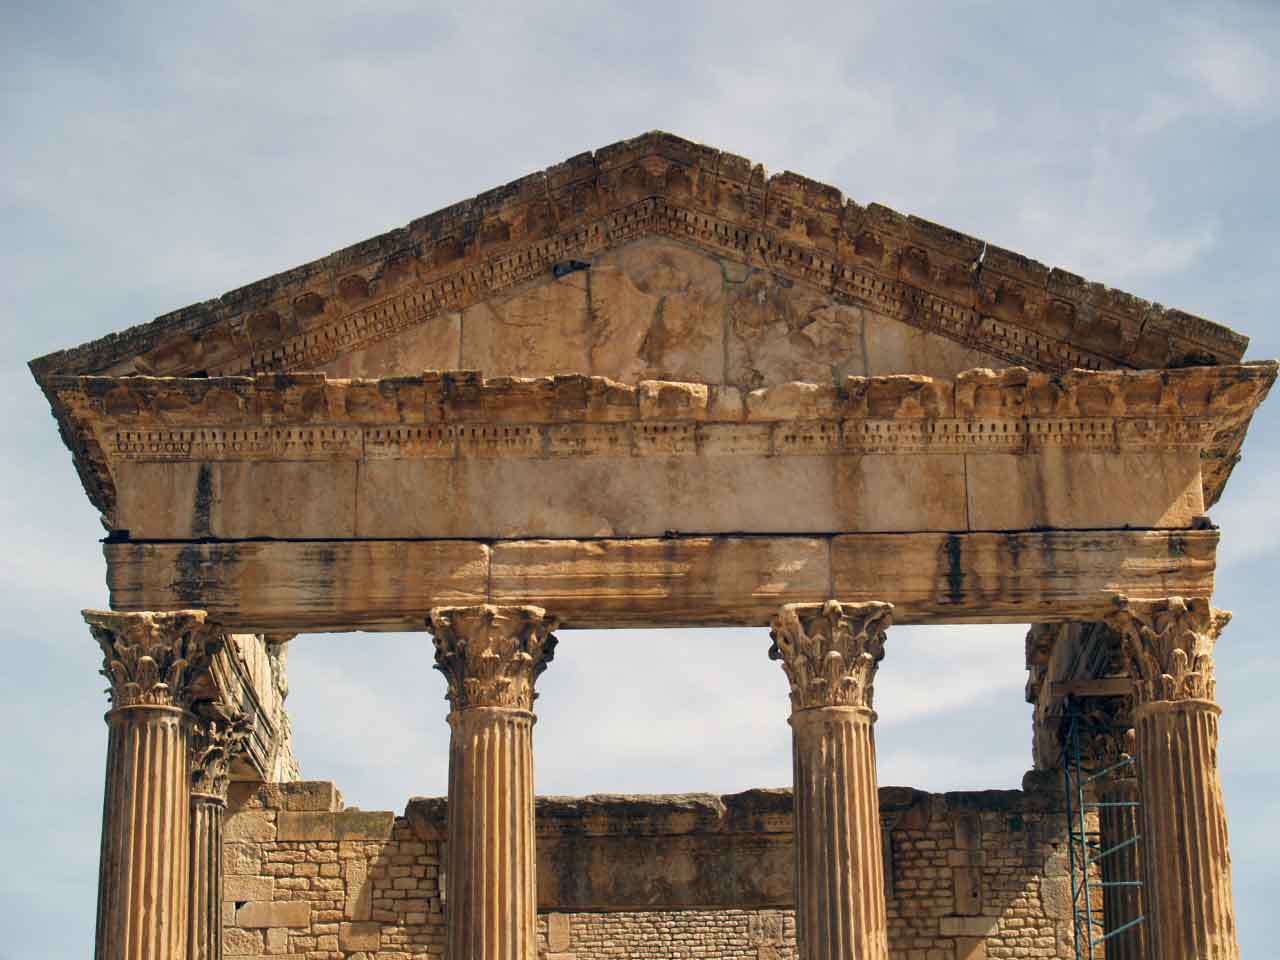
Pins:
x,y
491,655
219,734
152,659
921,273
830,651
1167,645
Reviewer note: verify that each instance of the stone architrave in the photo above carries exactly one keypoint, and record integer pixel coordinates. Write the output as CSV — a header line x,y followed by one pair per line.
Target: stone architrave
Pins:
x,y
491,657
219,733
144,878
830,652
1110,744
1168,646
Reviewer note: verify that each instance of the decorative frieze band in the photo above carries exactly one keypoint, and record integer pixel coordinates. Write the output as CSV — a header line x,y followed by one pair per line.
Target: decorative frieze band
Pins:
x,y
458,415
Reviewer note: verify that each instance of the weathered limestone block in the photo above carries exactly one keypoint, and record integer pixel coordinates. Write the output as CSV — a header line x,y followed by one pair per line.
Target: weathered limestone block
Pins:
x,y
781,331
259,914
669,581
539,330
433,344
657,312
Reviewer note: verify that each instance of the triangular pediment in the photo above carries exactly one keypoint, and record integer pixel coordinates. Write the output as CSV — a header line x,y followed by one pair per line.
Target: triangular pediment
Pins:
x,y
661,258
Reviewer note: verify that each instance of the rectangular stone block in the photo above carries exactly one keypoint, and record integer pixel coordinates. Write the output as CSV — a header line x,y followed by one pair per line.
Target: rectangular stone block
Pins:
x,y
968,926
1079,490
257,825
360,936
241,943
241,858
967,884
258,914
558,935
900,493
306,825
240,889
363,825
358,891
311,795
968,948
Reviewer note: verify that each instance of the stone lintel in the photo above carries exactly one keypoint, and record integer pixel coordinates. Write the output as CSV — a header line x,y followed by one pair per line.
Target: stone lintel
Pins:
x,y
329,586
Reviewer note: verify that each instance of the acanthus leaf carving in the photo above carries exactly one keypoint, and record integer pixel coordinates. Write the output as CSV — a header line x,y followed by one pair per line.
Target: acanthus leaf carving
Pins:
x,y
1167,645
830,651
220,733
492,655
152,659
1105,735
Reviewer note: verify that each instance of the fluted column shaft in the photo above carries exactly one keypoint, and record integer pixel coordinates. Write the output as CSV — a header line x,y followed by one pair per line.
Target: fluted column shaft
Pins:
x,y
492,903
219,734
1188,866
1168,646
830,653
142,874
1122,904
205,912
839,867
491,657
143,880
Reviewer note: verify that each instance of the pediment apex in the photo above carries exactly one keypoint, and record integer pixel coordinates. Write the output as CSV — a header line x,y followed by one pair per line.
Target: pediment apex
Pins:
x,y
659,185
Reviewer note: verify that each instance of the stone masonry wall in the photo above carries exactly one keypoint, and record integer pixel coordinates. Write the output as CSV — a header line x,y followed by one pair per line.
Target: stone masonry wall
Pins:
x,y
970,876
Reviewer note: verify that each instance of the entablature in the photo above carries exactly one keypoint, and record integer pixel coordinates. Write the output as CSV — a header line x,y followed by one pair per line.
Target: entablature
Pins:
x,y
135,434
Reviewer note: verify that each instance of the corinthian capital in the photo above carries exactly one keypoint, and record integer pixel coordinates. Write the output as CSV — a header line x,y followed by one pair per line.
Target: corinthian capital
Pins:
x,y
1105,735
220,734
152,658
492,655
1167,646
830,651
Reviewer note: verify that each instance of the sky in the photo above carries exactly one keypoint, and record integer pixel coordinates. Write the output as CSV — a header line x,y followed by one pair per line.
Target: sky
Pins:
x,y
156,155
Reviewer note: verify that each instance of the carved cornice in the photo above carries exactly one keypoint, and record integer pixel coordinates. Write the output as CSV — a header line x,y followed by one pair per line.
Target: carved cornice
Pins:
x,y
1167,645
918,272
458,415
154,659
491,655
830,651
220,733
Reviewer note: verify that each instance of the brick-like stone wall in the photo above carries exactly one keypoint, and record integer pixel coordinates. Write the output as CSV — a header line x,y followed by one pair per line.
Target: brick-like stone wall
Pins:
x,y
969,876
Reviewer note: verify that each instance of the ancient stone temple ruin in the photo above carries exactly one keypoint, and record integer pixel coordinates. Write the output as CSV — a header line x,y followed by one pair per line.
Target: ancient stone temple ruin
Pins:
x,y
653,386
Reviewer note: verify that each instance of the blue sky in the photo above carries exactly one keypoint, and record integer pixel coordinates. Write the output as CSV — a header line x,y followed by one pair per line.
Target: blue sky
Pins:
x,y
155,155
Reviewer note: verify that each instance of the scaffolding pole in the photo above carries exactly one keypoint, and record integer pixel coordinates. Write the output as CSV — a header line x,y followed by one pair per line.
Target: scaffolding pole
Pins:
x,y
1081,786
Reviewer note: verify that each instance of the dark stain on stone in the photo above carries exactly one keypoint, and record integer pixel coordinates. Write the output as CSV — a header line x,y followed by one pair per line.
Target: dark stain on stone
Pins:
x,y
188,579
201,521
955,569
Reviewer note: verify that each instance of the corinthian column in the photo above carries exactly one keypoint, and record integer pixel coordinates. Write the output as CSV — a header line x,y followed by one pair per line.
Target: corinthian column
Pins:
x,y
143,897
1168,645
830,652
219,734
491,657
